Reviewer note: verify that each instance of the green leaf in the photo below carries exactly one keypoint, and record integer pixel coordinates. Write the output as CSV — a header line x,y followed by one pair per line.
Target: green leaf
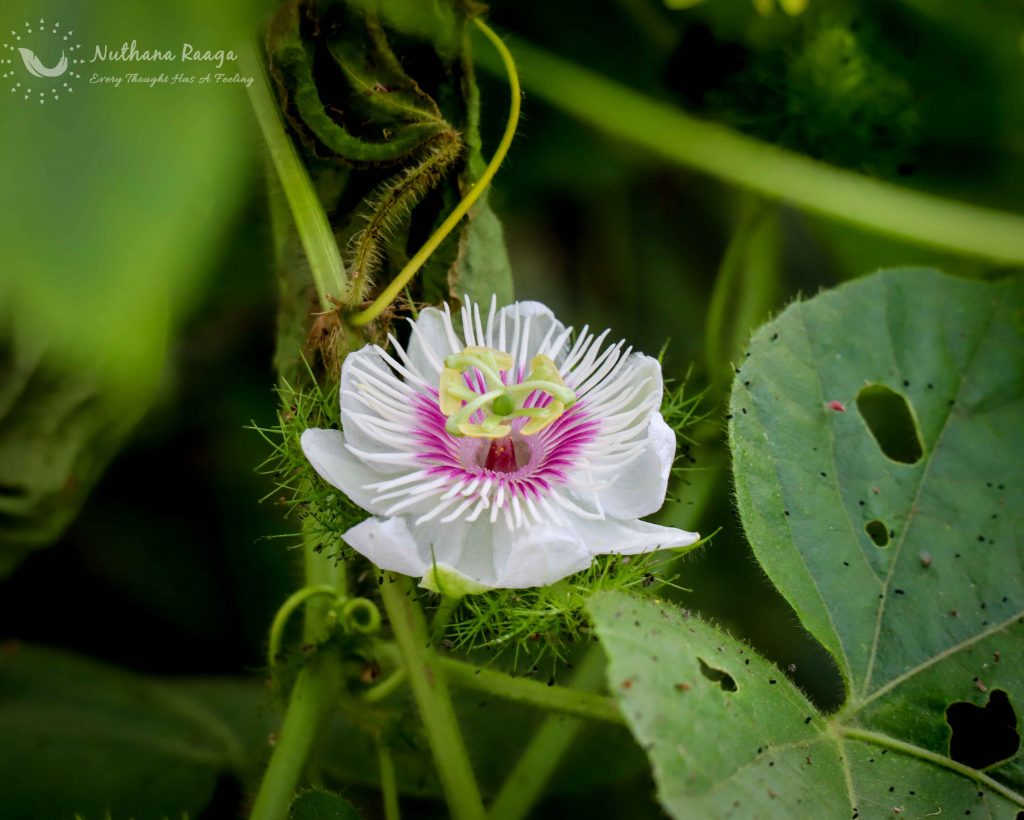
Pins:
x,y
291,61
59,426
729,735
317,804
811,477
481,268
79,736
716,747
875,435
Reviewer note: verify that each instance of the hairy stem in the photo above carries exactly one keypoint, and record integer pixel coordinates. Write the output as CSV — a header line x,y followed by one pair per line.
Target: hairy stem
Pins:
x,y
575,702
847,196
528,778
430,690
310,220
393,201
387,296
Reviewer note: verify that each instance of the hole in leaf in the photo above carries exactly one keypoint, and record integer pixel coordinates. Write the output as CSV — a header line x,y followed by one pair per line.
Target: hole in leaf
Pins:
x,y
877,532
723,679
983,735
888,417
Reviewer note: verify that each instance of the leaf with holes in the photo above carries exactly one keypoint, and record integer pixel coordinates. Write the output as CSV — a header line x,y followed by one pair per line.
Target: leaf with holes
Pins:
x,y
729,735
875,434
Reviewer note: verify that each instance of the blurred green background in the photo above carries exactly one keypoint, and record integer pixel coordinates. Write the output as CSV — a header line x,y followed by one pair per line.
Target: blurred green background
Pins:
x,y
137,293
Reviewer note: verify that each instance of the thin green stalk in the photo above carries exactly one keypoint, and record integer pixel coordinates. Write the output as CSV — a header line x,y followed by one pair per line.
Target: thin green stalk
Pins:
x,y
430,690
309,708
388,782
314,695
295,600
847,196
530,776
561,699
310,220
387,296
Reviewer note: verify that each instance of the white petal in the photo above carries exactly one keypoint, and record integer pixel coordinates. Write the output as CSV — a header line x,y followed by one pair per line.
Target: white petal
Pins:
x,y
638,488
429,342
361,374
538,555
388,544
541,321
329,456
631,537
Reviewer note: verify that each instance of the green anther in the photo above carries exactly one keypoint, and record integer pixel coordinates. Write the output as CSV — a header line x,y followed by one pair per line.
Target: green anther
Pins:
x,y
501,403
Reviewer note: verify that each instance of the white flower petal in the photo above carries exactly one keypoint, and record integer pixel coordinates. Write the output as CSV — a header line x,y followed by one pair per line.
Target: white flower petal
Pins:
x,y
370,390
630,537
638,488
329,456
535,322
430,340
388,544
538,555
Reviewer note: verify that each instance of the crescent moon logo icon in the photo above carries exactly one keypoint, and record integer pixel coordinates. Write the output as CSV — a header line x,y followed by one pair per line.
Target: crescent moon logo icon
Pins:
x,y
35,67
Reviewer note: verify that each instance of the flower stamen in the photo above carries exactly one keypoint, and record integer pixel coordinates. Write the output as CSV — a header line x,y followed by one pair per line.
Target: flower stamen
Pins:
x,y
499,402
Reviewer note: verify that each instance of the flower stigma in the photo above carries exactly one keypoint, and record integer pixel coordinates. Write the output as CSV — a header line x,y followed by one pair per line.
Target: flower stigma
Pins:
x,y
481,400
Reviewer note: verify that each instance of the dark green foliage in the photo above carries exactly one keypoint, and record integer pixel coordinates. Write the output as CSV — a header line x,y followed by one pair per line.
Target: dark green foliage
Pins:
x,y
317,804
406,117
59,425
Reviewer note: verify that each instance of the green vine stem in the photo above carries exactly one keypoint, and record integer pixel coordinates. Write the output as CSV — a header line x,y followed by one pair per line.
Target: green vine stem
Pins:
x,y
295,600
526,782
315,693
387,296
567,701
430,691
665,130
310,220
309,709
388,782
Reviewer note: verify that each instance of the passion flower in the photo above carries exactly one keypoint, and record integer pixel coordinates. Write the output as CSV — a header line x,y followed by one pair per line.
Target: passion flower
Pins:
x,y
505,456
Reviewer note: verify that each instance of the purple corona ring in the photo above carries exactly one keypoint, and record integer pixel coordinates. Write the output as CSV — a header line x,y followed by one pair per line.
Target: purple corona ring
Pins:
x,y
506,456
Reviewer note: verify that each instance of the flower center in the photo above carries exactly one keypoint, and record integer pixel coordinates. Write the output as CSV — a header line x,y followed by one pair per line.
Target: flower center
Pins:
x,y
479,403
502,455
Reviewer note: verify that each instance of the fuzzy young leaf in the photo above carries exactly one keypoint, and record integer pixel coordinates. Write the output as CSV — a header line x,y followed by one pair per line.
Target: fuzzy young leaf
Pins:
x,y
292,66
